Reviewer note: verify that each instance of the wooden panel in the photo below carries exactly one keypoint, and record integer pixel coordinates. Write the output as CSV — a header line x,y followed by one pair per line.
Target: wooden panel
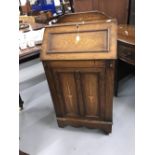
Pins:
x,y
68,86
90,93
84,5
81,90
114,8
131,19
126,43
126,52
110,67
54,90
91,47
95,4
82,93
83,17
94,41
126,34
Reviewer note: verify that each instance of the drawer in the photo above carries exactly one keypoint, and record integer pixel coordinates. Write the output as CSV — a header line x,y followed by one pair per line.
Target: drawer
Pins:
x,y
126,53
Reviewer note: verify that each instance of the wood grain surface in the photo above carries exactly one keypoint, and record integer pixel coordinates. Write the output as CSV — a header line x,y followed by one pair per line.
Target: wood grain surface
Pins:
x,y
81,83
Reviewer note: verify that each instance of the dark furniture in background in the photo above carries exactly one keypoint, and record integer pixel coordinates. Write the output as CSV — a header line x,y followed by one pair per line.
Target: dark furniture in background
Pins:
x,y
124,12
131,17
80,71
29,54
126,53
126,43
118,9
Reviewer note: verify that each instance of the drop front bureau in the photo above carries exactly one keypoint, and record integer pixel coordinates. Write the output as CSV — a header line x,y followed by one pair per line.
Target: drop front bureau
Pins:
x,y
78,56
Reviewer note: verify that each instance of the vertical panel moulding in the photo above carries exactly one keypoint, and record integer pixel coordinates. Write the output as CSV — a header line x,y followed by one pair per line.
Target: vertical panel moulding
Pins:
x,y
108,39
95,4
58,88
102,93
89,83
109,89
82,93
101,5
68,85
79,94
49,42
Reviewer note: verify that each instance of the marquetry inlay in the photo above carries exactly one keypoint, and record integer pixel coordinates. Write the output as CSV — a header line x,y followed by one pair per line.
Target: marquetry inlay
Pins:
x,y
91,96
91,99
70,96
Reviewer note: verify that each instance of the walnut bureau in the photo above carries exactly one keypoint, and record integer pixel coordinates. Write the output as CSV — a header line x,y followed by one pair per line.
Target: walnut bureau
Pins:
x,y
78,56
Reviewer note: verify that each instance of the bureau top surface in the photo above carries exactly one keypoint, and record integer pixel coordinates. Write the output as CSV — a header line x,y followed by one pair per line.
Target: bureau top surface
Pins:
x,y
81,40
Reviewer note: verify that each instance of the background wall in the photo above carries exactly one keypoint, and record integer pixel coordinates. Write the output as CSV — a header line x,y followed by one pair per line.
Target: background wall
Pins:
x,y
132,12
114,8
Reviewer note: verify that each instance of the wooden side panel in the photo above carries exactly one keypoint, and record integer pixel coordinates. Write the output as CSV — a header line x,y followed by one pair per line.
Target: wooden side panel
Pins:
x,y
68,86
54,93
110,67
85,5
90,94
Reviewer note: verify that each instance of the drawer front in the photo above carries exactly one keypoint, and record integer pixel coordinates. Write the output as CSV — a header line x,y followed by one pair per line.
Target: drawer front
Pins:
x,y
126,53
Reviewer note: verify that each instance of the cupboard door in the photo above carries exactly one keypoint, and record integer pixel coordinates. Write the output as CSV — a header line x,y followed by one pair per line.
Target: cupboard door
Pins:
x,y
81,91
90,94
66,88
93,93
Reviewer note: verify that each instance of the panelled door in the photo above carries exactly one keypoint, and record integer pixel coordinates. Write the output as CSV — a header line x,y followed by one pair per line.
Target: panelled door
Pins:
x,y
80,91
